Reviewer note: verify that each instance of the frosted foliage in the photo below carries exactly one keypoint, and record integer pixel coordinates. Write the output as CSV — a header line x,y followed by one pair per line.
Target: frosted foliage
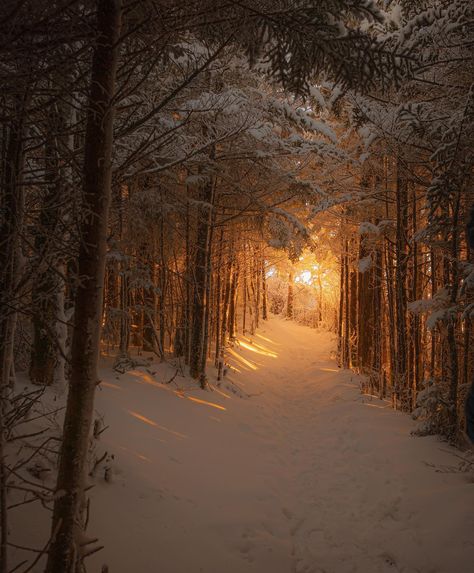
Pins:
x,y
432,408
439,308
365,264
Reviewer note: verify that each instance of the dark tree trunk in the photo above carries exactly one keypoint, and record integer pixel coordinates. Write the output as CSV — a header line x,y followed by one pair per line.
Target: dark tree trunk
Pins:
x,y
264,292
67,550
225,311
200,281
11,223
45,299
402,388
289,297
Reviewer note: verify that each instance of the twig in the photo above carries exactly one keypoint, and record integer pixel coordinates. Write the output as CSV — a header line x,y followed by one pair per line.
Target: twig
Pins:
x,y
32,435
24,548
18,566
45,548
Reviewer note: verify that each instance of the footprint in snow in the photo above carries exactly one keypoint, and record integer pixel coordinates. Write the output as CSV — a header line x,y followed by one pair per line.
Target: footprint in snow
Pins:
x,y
296,527
287,513
389,560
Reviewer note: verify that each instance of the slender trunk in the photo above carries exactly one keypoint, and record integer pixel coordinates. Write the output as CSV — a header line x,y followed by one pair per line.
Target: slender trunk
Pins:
x,y
124,310
352,286
225,307
340,318
289,297
149,298
452,325
264,292
187,279
163,286
67,543
258,292
244,307
402,388
233,302
207,307
200,281
218,301
415,318
11,223
44,290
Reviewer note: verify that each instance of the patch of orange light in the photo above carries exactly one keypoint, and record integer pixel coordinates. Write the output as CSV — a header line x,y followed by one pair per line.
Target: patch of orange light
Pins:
x,y
266,339
110,385
136,454
146,420
258,349
375,406
221,393
329,369
243,360
205,402
146,378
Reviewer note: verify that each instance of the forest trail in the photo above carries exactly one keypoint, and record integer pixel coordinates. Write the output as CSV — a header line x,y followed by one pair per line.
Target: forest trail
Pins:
x,y
292,472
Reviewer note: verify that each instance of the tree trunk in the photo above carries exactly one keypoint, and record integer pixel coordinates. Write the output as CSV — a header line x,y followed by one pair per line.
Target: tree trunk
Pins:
x,y
264,293
289,298
11,223
200,281
66,550
46,311
403,391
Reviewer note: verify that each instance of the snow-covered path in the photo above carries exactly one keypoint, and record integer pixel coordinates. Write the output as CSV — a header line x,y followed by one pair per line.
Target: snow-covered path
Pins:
x,y
305,475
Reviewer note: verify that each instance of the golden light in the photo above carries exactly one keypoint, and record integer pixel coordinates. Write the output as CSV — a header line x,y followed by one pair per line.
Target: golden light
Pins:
x,y
149,422
137,454
110,385
206,403
243,360
254,347
266,339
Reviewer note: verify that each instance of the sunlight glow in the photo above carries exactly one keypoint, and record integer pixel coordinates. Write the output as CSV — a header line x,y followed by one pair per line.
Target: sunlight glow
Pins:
x,y
266,339
221,393
243,360
146,420
305,277
137,454
146,378
206,403
378,407
110,385
258,349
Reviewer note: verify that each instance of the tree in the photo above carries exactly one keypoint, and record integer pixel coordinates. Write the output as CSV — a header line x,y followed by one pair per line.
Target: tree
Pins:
x,y
66,549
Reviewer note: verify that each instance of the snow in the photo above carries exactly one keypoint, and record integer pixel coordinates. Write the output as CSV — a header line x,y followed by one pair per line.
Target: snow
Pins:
x,y
284,468
365,264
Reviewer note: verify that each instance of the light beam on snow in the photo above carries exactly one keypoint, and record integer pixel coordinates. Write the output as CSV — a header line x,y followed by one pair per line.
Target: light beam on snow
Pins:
x,y
244,361
110,385
206,403
258,349
266,339
146,420
137,454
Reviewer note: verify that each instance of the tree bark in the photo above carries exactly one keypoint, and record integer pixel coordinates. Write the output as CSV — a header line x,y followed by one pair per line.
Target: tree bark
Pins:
x,y
289,298
11,223
200,281
66,543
